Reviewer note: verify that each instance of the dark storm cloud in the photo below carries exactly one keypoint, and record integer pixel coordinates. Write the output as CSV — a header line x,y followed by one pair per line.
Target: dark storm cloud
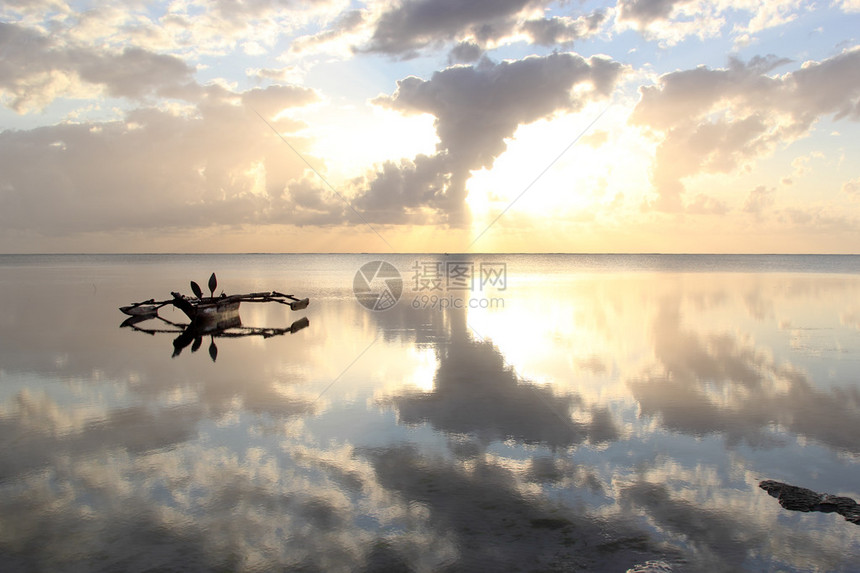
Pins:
x,y
716,120
476,109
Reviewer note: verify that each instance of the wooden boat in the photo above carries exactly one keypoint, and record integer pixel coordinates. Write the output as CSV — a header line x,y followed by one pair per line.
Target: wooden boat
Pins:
x,y
211,309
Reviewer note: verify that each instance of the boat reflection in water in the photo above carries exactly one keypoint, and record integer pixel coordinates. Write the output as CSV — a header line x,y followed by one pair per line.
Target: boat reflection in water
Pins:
x,y
193,333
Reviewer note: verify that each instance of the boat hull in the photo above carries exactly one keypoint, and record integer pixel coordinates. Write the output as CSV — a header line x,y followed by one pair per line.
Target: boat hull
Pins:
x,y
212,313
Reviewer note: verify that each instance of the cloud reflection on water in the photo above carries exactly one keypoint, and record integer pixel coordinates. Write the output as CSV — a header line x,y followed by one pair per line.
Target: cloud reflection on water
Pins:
x,y
714,383
655,404
476,392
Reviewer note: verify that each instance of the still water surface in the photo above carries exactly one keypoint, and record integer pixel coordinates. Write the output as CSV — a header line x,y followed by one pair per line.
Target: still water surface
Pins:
x,y
596,413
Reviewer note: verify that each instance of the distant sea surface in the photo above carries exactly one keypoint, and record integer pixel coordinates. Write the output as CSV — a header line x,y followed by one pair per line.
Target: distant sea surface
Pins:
x,y
431,413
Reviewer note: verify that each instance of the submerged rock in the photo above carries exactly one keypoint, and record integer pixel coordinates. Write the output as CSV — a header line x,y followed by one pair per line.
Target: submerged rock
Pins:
x,y
801,499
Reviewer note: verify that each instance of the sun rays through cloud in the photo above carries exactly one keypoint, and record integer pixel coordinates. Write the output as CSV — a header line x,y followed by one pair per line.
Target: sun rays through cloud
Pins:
x,y
731,126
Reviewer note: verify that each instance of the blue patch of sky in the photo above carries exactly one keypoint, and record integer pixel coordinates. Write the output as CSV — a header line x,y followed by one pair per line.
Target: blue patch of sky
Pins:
x,y
813,35
367,75
63,110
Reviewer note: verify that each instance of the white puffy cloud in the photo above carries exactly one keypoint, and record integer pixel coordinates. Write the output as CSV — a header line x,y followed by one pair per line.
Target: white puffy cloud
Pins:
x,y
852,187
718,120
758,200
563,30
412,27
850,5
37,69
672,21
476,109
220,165
347,25
465,52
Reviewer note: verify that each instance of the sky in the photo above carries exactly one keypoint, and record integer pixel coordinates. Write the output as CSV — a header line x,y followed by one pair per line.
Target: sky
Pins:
x,y
693,126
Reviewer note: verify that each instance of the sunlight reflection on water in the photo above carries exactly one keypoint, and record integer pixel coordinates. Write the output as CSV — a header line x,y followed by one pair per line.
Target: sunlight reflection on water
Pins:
x,y
614,410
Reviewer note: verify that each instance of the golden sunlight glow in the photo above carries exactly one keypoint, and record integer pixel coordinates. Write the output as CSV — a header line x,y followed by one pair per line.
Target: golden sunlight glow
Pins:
x,y
350,139
603,175
424,372
257,174
529,333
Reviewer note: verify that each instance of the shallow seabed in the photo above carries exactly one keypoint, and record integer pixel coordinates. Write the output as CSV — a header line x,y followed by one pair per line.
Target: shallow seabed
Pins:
x,y
508,413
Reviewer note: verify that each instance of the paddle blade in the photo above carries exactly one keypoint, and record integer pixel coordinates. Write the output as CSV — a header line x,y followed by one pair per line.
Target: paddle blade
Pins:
x,y
299,324
195,288
300,304
213,350
213,284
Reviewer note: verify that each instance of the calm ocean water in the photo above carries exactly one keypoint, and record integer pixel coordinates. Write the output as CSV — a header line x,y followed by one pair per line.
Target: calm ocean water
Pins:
x,y
495,413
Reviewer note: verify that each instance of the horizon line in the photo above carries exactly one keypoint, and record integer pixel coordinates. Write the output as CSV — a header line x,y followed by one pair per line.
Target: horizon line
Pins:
x,y
438,253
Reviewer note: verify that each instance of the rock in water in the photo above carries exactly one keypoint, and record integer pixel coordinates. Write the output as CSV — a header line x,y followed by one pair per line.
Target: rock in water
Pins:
x,y
801,499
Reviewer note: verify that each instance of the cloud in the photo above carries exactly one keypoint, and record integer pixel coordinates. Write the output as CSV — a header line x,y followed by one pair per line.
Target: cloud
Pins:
x,y
752,393
274,99
720,537
346,24
563,30
484,509
465,52
186,30
721,541
476,393
595,139
852,187
34,438
672,21
644,12
707,205
412,25
274,74
717,120
758,200
135,73
476,109
221,165
36,69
